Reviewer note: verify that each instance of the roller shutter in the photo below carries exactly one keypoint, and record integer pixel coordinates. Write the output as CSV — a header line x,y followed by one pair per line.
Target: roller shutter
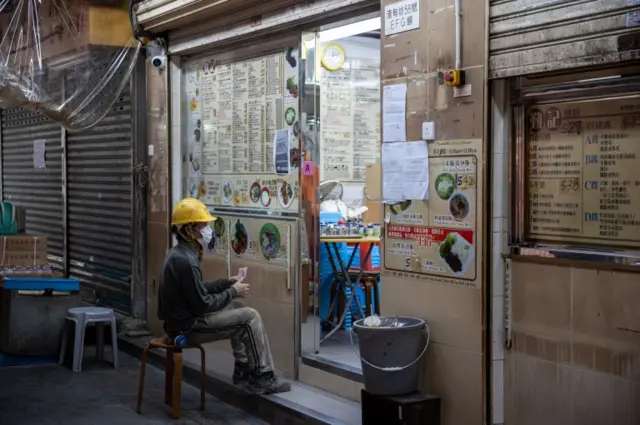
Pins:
x,y
100,226
193,25
38,190
533,36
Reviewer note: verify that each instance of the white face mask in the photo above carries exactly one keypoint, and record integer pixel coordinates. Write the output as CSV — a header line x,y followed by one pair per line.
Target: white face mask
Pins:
x,y
207,235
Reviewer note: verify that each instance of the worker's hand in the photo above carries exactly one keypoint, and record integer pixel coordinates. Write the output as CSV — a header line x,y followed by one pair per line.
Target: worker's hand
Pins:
x,y
242,289
235,279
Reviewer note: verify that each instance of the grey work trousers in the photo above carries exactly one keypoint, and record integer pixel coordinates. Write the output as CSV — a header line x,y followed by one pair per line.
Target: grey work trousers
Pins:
x,y
243,326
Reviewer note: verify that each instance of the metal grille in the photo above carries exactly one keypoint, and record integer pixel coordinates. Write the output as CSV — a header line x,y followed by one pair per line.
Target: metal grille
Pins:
x,y
37,190
533,36
100,211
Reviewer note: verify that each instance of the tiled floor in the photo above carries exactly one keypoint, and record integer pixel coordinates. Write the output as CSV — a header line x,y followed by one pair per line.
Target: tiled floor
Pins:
x,y
101,395
336,349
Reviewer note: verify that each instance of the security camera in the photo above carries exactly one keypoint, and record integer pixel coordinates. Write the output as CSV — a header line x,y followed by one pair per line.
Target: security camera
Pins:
x,y
159,62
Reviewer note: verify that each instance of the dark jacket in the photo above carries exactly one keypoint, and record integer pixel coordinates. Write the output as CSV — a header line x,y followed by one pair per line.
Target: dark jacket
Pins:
x,y
183,295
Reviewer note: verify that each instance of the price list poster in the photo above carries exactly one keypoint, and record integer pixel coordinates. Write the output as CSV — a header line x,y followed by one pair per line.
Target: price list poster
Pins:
x,y
349,119
583,173
438,239
232,114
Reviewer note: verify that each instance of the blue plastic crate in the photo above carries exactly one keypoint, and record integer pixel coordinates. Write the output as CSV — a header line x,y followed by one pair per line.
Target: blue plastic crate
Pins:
x,y
330,217
375,257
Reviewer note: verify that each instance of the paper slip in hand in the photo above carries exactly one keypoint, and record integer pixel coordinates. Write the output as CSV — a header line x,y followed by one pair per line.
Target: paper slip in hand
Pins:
x,y
242,273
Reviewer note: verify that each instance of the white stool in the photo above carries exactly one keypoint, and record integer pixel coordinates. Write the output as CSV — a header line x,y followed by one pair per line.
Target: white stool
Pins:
x,y
84,316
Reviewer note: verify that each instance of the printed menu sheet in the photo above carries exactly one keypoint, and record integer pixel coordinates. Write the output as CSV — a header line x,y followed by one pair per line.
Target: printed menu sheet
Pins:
x,y
438,239
350,120
233,111
583,180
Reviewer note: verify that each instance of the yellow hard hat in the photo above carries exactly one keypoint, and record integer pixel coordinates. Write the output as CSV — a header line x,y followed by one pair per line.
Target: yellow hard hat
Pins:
x,y
191,210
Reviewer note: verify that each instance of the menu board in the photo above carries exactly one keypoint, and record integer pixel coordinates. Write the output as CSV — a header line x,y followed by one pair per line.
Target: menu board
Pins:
x,y
438,239
583,182
232,113
263,240
350,117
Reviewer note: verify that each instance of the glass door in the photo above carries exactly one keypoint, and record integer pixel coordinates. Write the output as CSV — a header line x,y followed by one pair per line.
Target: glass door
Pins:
x,y
309,128
340,127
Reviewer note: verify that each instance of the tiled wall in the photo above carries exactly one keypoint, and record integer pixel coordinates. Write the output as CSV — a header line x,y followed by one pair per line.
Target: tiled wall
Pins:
x,y
575,358
453,367
271,298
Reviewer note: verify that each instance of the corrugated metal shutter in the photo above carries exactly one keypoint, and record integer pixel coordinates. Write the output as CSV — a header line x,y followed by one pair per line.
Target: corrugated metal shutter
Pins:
x,y
196,25
162,16
100,226
533,36
38,190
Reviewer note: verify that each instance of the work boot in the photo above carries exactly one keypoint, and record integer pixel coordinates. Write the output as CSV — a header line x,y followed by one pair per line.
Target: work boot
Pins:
x,y
267,383
241,372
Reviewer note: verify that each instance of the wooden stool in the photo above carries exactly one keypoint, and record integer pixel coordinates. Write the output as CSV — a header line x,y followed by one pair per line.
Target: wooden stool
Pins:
x,y
173,374
371,295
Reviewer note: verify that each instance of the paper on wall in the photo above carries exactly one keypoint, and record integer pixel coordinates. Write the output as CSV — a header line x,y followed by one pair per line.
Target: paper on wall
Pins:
x,y
405,171
281,159
394,113
39,161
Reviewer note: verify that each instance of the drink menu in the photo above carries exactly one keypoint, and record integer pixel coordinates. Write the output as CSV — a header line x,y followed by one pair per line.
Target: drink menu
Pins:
x,y
583,178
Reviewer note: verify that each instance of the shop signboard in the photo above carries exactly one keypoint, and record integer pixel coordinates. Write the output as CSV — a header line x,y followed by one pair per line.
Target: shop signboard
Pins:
x,y
233,112
582,179
439,239
401,16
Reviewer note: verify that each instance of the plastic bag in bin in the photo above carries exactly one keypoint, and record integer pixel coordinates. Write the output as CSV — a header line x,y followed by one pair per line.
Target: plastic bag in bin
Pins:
x,y
68,59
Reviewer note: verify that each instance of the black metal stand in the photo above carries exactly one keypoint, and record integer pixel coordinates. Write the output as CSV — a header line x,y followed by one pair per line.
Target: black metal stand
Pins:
x,y
411,409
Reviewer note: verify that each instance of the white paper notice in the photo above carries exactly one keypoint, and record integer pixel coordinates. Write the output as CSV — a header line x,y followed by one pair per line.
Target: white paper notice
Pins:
x,y
39,154
281,158
394,113
405,172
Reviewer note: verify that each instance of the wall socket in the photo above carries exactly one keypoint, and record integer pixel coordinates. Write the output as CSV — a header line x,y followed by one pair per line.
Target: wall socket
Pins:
x,y
429,130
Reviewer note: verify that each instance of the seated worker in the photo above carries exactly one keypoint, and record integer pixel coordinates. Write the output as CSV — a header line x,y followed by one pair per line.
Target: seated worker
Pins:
x,y
211,311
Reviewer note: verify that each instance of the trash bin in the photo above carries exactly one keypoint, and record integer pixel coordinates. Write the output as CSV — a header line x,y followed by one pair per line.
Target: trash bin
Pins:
x,y
390,355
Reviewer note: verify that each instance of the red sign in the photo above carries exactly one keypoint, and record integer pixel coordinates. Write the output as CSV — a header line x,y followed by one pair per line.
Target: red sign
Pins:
x,y
425,236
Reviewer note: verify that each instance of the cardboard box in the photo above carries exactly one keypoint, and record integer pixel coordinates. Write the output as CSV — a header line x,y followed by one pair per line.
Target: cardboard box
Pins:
x,y
23,250
373,194
93,25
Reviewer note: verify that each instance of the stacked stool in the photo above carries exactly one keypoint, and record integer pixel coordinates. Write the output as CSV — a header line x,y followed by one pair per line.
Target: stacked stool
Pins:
x,y
83,317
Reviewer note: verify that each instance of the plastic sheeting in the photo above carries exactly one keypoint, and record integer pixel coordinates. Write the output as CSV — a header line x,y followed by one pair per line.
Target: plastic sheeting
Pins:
x,y
70,59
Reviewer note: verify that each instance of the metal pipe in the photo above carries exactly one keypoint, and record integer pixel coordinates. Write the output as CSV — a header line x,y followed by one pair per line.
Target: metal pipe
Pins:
x,y
458,14
65,192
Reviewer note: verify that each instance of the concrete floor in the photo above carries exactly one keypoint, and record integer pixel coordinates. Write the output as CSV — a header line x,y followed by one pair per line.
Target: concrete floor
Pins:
x,y
101,395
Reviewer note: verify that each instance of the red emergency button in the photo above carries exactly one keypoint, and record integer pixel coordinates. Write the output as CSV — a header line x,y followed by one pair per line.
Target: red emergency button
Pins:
x,y
448,76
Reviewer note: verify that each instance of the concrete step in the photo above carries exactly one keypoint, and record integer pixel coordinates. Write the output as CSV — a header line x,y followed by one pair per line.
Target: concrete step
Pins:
x,y
303,405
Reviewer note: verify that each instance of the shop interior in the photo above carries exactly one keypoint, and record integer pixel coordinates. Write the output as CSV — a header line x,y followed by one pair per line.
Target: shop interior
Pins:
x,y
340,116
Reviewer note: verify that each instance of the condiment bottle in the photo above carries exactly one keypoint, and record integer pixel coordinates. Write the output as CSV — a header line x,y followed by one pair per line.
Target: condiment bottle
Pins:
x,y
369,231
